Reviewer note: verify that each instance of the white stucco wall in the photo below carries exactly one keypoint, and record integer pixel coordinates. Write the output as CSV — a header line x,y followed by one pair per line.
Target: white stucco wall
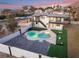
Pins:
x,y
58,27
46,19
4,49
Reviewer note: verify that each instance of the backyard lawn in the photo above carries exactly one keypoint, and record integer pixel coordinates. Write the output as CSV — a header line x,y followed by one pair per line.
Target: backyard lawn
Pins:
x,y
60,49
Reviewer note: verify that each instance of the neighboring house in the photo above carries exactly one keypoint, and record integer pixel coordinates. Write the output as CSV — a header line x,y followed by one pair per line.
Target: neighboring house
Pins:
x,y
38,11
19,12
25,21
48,10
28,9
7,12
58,12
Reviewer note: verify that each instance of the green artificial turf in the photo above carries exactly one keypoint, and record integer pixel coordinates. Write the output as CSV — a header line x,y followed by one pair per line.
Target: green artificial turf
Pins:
x,y
59,50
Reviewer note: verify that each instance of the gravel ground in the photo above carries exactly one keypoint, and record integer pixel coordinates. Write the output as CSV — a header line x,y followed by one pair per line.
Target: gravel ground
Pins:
x,y
73,41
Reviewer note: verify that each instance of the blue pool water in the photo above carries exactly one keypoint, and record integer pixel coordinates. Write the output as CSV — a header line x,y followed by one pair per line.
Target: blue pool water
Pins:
x,y
42,35
32,34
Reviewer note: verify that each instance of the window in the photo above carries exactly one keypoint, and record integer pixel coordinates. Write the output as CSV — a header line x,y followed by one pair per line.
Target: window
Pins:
x,y
50,25
27,21
30,20
42,17
62,19
58,19
52,19
57,25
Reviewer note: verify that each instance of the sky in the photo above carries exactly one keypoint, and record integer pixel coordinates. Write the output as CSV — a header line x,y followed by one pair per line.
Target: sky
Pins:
x,y
37,3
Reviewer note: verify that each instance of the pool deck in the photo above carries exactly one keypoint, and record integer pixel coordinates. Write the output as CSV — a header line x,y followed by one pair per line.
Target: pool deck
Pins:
x,y
33,46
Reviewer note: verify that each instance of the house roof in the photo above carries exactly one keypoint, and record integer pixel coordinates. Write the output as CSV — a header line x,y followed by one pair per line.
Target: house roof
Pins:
x,y
51,14
23,17
45,14
58,15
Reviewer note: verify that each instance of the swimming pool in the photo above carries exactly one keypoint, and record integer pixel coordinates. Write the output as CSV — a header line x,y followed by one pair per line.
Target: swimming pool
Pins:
x,y
35,35
46,35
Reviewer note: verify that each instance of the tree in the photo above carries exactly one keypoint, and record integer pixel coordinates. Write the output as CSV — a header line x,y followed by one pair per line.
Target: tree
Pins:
x,y
72,12
76,13
41,9
1,27
2,17
32,8
25,7
57,8
11,23
48,8
20,13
